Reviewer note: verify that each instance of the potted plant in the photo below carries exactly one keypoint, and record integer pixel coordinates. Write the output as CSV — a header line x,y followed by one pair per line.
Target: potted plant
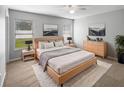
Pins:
x,y
120,48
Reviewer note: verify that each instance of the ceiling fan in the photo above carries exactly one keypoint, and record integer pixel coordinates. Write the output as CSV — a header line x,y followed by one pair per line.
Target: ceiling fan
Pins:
x,y
73,8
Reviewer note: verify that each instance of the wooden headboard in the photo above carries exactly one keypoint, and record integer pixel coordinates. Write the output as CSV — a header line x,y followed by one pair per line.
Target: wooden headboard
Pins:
x,y
45,39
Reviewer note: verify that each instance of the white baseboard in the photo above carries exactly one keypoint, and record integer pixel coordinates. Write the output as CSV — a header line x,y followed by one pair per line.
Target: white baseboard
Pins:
x,y
15,59
112,58
2,82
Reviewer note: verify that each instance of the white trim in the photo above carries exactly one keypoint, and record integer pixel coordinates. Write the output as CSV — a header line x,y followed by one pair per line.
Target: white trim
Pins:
x,y
2,82
15,59
112,58
15,49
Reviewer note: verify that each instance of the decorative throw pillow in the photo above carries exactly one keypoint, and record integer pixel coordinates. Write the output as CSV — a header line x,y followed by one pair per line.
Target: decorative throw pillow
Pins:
x,y
41,45
59,43
48,45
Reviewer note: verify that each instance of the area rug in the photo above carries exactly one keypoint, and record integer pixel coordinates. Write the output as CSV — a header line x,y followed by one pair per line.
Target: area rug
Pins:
x,y
86,78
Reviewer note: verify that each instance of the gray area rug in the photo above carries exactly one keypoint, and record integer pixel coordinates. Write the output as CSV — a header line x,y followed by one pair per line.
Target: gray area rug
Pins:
x,y
86,78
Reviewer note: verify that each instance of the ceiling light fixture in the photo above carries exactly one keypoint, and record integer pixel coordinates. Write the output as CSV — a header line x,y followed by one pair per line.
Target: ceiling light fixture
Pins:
x,y
71,11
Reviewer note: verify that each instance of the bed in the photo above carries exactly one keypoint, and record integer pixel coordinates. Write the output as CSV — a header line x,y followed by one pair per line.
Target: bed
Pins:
x,y
64,67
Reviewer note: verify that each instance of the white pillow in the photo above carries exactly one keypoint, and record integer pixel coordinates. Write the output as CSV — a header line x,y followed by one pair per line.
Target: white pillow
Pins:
x,y
48,45
59,43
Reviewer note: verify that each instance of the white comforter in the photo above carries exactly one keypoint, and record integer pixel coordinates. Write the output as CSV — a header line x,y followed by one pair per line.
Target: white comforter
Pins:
x,y
62,64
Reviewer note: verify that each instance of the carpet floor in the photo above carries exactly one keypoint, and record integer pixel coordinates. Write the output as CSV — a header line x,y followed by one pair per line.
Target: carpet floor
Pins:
x,y
86,78
21,74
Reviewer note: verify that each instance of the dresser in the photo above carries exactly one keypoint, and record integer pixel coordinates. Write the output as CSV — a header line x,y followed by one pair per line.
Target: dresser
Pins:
x,y
97,47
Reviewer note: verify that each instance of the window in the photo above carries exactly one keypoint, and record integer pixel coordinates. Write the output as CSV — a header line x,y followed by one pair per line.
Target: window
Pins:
x,y
66,32
23,32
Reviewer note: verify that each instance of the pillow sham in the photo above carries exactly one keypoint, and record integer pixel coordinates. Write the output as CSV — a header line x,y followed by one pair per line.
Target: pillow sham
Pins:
x,y
59,43
41,45
48,45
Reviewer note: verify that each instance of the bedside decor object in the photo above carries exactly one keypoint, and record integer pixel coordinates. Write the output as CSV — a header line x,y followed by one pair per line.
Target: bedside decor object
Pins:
x,y
50,30
119,42
99,39
69,39
28,43
88,38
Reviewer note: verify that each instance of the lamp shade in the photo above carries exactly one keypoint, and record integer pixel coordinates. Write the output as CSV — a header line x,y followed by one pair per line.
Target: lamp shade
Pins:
x,y
69,38
28,42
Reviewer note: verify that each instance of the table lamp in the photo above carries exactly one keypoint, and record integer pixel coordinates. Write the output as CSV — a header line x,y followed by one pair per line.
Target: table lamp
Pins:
x,y
28,43
69,38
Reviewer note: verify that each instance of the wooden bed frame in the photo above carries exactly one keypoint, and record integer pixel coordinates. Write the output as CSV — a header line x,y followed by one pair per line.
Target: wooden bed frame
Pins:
x,y
60,79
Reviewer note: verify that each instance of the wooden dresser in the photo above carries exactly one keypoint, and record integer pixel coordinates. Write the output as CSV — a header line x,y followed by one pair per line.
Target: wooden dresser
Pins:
x,y
97,47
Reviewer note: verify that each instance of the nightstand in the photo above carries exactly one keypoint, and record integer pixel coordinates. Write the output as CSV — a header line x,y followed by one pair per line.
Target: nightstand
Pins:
x,y
27,55
71,45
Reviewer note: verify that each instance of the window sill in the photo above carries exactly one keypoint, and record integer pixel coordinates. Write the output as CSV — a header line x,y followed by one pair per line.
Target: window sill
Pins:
x,y
17,49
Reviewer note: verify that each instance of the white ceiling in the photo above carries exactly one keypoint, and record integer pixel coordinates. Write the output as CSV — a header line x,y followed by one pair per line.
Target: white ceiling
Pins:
x,y
58,10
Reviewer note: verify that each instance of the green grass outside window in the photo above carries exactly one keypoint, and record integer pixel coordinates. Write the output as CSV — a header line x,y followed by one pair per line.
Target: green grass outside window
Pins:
x,y
20,43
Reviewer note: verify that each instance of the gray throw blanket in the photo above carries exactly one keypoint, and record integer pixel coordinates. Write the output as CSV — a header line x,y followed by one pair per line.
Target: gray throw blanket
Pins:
x,y
44,57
